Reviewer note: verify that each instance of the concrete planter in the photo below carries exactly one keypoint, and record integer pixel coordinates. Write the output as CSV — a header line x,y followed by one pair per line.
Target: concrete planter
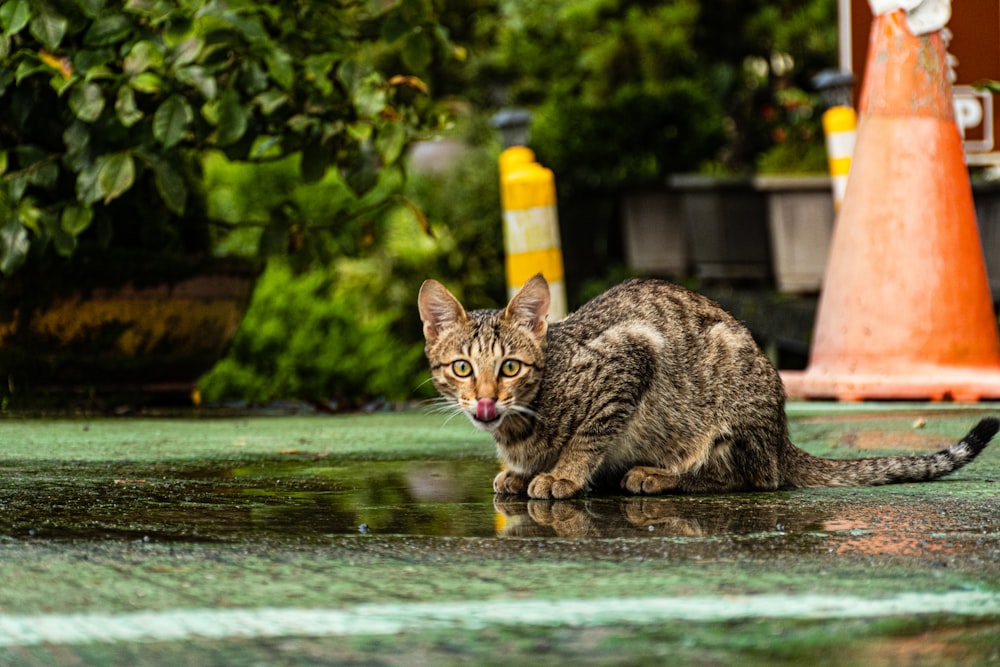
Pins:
x,y
733,229
800,223
656,233
715,227
725,229
726,219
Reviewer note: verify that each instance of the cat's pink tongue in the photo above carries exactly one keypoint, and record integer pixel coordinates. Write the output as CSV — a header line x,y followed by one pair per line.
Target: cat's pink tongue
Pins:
x,y
486,409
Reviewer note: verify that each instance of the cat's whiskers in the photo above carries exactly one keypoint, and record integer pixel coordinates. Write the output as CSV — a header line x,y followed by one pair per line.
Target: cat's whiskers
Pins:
x,y
429,379
436,404
523,410
445,406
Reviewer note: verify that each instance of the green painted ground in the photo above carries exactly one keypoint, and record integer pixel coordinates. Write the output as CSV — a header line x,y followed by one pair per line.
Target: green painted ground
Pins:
x,y
142,515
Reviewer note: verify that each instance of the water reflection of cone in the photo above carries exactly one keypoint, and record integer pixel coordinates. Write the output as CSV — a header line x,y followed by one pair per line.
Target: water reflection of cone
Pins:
x,y
906,310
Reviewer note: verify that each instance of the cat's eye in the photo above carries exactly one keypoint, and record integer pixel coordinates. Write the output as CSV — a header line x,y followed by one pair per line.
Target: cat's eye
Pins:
x,y
510,368
461,368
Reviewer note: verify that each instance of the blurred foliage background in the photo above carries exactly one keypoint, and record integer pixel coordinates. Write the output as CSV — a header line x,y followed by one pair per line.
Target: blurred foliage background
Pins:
x,y
346,328
624,93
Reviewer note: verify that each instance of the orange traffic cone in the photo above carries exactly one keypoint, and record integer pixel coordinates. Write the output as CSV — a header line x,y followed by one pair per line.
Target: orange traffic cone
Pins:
x,y
905,311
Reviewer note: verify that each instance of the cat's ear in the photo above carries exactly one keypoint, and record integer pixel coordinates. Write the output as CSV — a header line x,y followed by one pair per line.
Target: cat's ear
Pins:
x,y
530,305
439,309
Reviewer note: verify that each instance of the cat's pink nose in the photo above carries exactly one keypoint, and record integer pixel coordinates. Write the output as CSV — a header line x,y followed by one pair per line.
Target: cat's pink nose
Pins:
x,y
486,409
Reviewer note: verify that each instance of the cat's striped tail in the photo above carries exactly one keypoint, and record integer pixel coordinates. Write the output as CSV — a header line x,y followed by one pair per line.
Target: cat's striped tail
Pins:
x,y
805,470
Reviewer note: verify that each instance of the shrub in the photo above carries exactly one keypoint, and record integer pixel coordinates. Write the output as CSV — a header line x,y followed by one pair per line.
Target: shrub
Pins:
x,y
107,108
349,329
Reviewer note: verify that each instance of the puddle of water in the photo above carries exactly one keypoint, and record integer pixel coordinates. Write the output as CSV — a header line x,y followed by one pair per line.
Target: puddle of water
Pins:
x,y
308,497
299,497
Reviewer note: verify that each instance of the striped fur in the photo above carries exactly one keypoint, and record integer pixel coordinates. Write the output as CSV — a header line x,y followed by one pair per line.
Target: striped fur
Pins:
x,y
649,387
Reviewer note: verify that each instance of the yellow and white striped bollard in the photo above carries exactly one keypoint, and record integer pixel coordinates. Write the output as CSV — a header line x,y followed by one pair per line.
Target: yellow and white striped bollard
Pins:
x,y
531,226
840,124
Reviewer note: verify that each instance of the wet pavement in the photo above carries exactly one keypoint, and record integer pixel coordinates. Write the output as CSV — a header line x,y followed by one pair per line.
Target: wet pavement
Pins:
x,y
376,539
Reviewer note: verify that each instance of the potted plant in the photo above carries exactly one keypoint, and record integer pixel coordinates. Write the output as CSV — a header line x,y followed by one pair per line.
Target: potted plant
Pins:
x,y
107,113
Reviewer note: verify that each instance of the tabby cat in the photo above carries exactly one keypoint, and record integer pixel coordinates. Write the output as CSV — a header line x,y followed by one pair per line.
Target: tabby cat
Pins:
x,y
648,386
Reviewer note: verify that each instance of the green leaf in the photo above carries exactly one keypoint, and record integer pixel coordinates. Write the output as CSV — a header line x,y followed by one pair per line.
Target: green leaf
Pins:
x,y
270,100
369,97
16,185
75,219
417,51
146,82
86,102
99,72
116,176
171,120
26,68
249,27
14,246
88,190
389,141
175,27
253,77
76,138
44,175
317,71
126,109
143,55
29,214
61,84
91,8
360,131
14,15
210,112
108,29
187,51
170,185
87,60
233,118
300,123
199,79
352,73
48,27
279,66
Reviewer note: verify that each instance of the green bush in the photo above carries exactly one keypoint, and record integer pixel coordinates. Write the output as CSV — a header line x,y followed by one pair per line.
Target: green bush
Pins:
x,y
348,329
106,110
325,333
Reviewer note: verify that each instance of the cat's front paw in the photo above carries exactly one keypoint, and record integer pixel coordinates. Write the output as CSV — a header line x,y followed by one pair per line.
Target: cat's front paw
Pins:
x,y
546,486
509,484
645,480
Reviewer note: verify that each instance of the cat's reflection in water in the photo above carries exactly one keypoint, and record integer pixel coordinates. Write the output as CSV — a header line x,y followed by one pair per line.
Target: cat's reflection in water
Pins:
x,y
641,516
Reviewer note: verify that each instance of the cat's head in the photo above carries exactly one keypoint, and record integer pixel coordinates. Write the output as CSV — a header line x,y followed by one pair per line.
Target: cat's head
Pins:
x,y
487,363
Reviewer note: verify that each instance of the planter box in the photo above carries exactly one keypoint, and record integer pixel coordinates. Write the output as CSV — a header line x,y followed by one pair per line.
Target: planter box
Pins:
x,y
656,233
800,222
726,219
733,229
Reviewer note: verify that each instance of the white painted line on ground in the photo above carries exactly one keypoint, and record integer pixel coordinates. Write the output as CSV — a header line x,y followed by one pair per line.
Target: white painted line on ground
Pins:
x,y
380,619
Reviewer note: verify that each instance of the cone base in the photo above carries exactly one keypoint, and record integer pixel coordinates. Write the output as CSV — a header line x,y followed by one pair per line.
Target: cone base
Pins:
x,y
960,385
